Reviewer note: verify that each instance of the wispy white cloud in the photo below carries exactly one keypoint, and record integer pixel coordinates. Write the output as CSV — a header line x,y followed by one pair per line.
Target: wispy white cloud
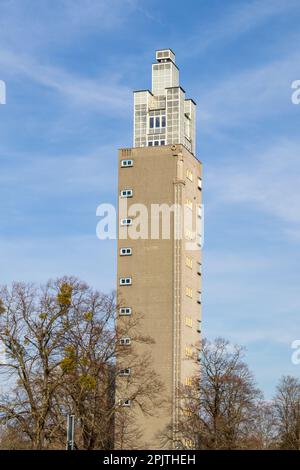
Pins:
x,y
222,263
101,94
267,179
251,95
38,259
294,234
248,301
61,25
67,173
237,20
278,334
59,22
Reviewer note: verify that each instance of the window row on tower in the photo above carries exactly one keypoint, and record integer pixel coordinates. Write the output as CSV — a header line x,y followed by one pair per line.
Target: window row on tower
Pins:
x,y
125,281
156,143
157,122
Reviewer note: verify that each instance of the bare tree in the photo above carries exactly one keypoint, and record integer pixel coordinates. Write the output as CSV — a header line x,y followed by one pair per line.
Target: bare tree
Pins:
x,y
93,360
61,351
219,409
287,412
260,430
32,326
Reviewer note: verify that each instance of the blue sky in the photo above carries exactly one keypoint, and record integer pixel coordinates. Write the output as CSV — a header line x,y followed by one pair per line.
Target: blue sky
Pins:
x,y
70,67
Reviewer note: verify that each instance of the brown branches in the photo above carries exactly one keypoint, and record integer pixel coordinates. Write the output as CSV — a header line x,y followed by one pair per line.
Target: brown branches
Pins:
x,y
61,349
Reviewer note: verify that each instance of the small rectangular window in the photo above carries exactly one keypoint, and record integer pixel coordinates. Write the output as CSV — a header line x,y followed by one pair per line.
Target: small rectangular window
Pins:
x,y
151,122
188,381
125,281
189,203
189,262
125,341
189,322
125,311
156,143
125,222
189,292
125,403
189,175
125,251
124,372
163,121
188,351
150,144
126,163
188,443
189,235
157,121
162,142
126,193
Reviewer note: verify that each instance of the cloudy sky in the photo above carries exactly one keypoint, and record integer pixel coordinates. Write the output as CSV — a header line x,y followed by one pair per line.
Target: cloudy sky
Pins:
x,y
70,67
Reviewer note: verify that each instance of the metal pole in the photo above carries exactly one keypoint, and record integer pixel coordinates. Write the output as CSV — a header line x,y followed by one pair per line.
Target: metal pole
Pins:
x,y
70,432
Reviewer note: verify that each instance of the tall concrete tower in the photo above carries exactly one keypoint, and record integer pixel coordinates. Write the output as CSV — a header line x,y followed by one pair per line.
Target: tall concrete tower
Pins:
x,y
159,243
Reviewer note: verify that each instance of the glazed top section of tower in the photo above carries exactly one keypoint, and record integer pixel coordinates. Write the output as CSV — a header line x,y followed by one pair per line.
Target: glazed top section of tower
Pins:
x,y
164,116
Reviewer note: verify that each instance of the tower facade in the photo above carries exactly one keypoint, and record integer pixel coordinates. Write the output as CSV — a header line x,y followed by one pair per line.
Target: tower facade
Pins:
x,y
159,250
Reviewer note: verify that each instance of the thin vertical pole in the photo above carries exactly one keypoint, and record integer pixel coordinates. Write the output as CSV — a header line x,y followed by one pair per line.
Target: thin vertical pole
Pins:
x,y
70,432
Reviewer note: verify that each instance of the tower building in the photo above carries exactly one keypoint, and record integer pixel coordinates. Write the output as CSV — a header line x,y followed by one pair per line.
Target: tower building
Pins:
x,y
159,244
